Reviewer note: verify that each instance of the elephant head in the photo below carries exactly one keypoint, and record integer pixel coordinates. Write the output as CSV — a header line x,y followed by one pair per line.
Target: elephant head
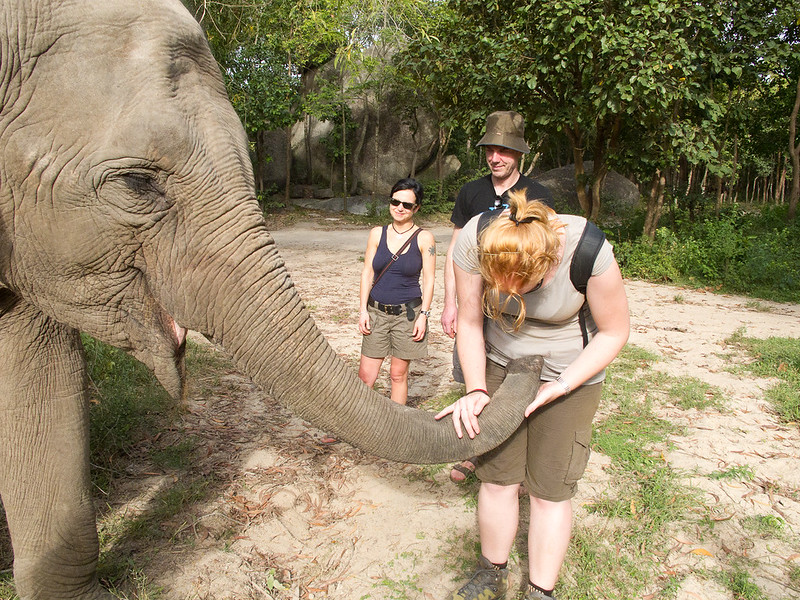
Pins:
x,y
127,211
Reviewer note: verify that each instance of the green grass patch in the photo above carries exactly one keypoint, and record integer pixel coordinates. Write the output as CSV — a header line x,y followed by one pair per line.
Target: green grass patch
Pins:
x,y
690,392
404,587
775,357
128,405
177,456
737,472
460,551
785,400
437,403
758,306
765,526
7,589
600,567
646,498
166,517
741,585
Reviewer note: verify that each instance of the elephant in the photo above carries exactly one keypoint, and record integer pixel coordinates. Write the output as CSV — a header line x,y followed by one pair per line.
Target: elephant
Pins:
x,y
128,212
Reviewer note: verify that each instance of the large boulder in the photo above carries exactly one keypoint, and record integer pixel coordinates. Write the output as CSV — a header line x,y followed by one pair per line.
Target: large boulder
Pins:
x,y
619,196
385,145
375,167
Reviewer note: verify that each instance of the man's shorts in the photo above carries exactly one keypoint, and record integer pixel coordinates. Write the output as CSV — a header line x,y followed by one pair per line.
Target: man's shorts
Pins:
x,y
550,450
392,335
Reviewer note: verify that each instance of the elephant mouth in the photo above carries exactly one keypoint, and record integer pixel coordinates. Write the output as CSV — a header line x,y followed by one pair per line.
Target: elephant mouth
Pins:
x,y
179,333
163,350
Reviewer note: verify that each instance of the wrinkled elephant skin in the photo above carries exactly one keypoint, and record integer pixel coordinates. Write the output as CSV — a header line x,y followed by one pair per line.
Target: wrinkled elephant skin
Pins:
x,y
127,211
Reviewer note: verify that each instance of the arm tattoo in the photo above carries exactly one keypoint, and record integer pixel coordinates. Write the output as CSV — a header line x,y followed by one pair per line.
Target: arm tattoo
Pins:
x,y
432,249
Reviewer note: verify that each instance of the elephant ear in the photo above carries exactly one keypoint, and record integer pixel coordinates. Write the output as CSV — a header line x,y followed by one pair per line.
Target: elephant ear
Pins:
x,y
428,441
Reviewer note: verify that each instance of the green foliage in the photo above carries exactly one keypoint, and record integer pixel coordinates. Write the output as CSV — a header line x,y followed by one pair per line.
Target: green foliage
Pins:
x,y
643,259
749,252
440,197
269,201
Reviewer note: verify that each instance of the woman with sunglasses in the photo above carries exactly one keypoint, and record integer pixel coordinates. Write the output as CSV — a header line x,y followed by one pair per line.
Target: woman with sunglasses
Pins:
x,y
517,273
394,308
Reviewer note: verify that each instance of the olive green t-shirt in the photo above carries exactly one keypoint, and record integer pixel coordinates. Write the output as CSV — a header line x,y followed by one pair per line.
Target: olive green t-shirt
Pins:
x,y
551,327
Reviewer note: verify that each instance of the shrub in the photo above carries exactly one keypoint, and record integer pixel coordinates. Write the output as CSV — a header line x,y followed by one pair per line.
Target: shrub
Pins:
x,y
743,251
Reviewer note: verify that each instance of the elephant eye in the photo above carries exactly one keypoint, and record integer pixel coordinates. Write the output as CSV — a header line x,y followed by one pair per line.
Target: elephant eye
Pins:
x,y
142,191
140,183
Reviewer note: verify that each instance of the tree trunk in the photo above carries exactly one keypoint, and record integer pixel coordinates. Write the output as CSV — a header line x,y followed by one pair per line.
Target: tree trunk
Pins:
x,y
307,145
580,182
307,78
782,182
718,195
733,184
359,147
288,172
444,140
377,136
344,147
261,156
794,152
655,202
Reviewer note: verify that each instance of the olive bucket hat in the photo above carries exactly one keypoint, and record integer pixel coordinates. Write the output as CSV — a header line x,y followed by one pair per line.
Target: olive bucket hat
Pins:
x,y
505,128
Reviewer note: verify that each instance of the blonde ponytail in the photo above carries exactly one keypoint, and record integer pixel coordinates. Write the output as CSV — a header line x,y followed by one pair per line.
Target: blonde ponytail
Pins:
x,y
514,251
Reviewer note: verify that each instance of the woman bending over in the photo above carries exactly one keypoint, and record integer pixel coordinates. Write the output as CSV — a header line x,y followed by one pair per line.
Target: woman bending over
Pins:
x,y
517,273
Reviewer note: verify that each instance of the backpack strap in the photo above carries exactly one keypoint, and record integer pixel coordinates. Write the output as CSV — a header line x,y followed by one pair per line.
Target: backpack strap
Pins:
x,y
580,269
486,218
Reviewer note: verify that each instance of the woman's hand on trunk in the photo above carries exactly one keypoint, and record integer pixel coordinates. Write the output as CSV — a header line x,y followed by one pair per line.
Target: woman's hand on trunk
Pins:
x,y
466,410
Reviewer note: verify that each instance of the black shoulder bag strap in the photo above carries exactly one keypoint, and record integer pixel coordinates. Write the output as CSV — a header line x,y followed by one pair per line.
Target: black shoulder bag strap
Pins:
x,y
580,269
396,255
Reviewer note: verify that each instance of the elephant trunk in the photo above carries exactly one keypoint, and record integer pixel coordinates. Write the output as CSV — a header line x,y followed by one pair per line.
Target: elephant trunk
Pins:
x,y
263,323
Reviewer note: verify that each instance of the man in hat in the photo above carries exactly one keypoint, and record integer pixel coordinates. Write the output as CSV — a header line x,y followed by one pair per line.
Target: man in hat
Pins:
x,y
504,144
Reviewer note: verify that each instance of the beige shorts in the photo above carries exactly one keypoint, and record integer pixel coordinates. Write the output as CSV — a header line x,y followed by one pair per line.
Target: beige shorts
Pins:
x,y
392,335
550,450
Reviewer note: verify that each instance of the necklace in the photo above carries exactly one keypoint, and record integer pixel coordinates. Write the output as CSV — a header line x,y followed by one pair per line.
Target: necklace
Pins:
x,y
402,233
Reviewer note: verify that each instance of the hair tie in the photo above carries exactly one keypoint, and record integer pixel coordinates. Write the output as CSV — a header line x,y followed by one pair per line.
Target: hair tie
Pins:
x,y
517,222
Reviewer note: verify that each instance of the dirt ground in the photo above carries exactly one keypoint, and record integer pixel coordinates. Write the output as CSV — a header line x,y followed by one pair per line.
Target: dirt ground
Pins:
x,y
332,522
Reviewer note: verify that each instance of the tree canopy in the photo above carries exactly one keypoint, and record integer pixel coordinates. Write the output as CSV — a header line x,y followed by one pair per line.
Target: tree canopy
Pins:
x,y
687,92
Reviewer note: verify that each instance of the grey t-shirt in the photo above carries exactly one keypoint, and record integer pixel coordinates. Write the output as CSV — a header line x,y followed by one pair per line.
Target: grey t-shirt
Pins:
x,y
551,326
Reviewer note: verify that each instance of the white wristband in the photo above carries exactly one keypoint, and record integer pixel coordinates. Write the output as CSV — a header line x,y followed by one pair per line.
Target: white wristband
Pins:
x,y
564,385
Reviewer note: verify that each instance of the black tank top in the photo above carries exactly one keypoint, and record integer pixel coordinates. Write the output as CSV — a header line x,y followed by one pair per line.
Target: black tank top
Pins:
x,y
400,283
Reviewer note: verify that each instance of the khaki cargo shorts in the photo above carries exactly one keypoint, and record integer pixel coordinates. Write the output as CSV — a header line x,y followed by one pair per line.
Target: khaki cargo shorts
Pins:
x,y
392,335
550,450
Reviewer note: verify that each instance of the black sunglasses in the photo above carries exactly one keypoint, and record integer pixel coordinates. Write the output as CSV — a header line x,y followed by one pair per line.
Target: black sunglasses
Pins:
x,y
406,205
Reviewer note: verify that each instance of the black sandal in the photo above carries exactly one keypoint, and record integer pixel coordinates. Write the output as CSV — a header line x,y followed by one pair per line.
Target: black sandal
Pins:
x,y
465,468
